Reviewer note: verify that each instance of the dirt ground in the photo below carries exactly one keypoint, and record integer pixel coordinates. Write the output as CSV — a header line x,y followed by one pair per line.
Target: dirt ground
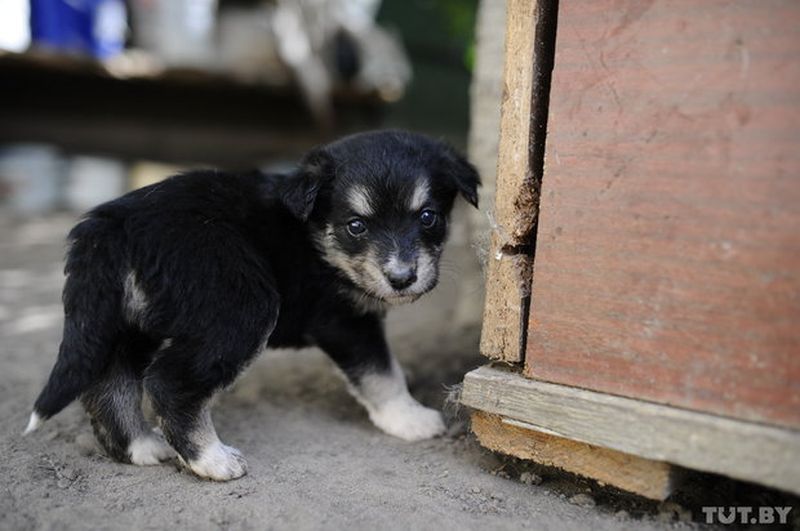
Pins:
x,y
315,461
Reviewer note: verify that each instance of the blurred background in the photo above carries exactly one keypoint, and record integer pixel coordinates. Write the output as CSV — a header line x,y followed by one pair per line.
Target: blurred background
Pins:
x,y
98,97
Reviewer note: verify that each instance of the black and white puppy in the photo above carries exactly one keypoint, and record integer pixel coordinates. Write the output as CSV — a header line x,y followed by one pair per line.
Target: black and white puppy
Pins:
x,y
172,289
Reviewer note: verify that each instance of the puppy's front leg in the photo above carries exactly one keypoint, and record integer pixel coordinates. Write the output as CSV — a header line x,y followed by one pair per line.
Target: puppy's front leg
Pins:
x,y
392,408
357,345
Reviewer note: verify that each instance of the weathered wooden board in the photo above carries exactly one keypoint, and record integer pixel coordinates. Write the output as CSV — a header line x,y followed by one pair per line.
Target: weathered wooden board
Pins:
x,y
651,479
529,41
668,251
742,450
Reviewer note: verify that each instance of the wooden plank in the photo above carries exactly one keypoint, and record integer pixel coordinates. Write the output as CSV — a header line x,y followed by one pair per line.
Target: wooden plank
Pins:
x,y
735,448
651,479
668,251
529,41
505,314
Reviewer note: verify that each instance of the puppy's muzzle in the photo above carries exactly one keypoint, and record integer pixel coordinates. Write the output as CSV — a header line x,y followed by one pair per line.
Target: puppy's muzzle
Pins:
x,y
400,276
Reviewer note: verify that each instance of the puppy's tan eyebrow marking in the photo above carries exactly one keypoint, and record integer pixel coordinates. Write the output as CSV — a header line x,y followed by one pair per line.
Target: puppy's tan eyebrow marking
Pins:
x,y
419,197
359,201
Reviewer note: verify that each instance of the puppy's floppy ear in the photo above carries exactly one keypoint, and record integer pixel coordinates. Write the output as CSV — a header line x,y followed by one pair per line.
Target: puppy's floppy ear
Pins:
x,y
462,175
299,190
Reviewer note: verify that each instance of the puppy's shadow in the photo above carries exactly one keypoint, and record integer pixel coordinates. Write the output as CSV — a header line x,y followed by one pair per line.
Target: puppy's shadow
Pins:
x,y
292,379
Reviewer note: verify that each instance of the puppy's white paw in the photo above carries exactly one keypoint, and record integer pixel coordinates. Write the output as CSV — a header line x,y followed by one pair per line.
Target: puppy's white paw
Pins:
x,y
406,418
219,462
149,449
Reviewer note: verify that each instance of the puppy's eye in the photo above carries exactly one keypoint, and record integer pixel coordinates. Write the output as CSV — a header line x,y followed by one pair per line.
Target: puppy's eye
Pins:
x,y
356,227
428,218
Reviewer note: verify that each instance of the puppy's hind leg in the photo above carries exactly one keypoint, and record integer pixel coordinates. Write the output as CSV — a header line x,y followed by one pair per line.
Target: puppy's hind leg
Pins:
x,y
182,382
205,454
114,404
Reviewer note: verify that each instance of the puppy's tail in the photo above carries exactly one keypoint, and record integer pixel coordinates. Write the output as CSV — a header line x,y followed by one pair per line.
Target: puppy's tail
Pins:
x,y
93,315
80,362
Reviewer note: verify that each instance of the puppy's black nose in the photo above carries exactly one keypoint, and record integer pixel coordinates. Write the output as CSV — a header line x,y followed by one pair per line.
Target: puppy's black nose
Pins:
x,y
401,278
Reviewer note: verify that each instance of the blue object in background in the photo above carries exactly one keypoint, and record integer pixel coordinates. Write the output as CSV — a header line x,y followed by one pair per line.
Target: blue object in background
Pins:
x,y
92,27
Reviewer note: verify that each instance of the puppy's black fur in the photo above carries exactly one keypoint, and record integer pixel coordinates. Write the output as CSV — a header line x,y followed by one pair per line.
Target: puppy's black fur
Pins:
x,y
174,288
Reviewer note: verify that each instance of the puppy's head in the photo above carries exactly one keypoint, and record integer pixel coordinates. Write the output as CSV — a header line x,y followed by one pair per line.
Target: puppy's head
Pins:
x,y
378,205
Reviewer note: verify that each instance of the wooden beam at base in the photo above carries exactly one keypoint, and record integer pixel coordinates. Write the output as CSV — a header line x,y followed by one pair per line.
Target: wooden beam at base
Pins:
x,y
651,479
739,449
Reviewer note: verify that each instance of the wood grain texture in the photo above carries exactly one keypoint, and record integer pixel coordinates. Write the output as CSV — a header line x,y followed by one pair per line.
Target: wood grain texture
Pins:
x,y
508,278
528,51
739,449
651,479
668,252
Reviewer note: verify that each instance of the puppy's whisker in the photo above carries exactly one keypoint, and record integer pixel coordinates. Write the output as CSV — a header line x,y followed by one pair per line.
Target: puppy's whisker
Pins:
x,y
448,274
449,265
449,281
453,270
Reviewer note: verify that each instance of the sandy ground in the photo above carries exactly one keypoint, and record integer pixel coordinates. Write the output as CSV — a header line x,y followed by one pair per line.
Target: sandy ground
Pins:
x,y
315,461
